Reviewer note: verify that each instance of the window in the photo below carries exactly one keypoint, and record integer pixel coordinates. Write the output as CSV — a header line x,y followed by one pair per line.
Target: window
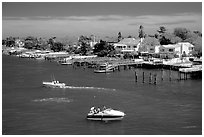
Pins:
x,y
171,50
162,50
190,48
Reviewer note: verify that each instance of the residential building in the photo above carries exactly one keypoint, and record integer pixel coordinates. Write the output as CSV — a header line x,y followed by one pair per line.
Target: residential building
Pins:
x,y
180,49
127,45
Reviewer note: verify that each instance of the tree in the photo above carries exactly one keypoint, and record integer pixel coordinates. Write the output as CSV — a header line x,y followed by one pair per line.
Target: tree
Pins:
x,y
42,44
148,43
169,38
3,42
51,41
119,36
103,49
58,46
181,32
84,48
30,42
198,33
83,42
161,30
141,32
198,46
10,42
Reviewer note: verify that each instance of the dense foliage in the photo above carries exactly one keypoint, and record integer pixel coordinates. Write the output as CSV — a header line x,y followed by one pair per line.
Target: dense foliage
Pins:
x,y
103,49
57,46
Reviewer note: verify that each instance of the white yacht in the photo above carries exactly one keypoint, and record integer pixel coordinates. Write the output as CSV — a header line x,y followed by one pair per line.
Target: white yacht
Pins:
x,y
105,114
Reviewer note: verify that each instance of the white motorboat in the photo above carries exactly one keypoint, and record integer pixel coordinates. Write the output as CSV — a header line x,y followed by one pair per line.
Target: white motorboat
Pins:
x,y
105,115
54,84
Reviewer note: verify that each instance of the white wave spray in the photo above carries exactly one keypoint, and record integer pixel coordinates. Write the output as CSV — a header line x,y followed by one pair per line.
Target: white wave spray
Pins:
x,y
58,100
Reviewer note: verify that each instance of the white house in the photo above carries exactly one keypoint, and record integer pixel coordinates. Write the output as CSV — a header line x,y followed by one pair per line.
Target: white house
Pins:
x,y
177,49
127,45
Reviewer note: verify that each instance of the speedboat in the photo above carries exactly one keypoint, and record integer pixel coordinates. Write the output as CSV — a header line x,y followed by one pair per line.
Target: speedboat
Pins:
x,y
54,84
105,114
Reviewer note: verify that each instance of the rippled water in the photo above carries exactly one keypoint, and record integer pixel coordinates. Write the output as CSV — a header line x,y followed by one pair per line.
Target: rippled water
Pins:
x,y
167,108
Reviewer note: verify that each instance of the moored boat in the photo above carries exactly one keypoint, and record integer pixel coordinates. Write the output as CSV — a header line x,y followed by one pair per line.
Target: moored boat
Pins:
x,y
105,68
108,114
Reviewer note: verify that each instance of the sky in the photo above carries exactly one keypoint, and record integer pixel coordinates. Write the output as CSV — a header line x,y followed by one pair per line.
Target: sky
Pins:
x,y
60,19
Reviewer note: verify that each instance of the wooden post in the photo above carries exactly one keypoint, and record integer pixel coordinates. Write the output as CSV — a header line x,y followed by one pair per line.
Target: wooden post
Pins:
x,y
135,76
162,75
155,79
179,75
118,68
184,76
143,77
150,78
170,74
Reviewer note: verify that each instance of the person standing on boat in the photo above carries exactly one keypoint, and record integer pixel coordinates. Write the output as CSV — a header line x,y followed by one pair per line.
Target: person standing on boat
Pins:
x,y
104,107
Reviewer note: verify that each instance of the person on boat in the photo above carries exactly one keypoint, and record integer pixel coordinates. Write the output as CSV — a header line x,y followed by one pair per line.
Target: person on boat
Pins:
x,y
92,110
98,110
104,107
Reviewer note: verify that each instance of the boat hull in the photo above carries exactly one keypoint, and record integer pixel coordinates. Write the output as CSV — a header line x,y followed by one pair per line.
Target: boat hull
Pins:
x,y
104,118
52,85
106,115
102,71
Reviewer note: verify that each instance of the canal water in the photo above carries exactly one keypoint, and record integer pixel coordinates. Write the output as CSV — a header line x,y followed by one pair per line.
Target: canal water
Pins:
x,y
170,107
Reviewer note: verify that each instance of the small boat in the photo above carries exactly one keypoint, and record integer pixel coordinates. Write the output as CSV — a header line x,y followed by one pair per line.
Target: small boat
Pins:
x,y
66,63
105,68
54,84
108,114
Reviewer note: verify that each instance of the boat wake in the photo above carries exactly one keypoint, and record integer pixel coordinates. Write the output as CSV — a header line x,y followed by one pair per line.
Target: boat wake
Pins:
x,y
93,88
58,100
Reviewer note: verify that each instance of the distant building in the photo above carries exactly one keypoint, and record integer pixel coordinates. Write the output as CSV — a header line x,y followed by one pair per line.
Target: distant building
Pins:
x,y
179,49
127,45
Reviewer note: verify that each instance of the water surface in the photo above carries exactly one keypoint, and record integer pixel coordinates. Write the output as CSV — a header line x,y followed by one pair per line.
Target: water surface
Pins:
x,y
168,108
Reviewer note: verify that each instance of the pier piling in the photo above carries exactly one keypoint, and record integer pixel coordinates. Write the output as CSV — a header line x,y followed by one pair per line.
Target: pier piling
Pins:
x,y
162,74
143,77
150,78
155,79
135,76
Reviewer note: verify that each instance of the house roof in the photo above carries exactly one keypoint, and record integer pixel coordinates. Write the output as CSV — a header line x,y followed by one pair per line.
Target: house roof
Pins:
x,y
178,45
130,41
171,46
186,43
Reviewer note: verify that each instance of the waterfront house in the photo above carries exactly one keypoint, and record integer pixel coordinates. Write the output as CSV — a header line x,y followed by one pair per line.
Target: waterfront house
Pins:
x,y
127,45
180,49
